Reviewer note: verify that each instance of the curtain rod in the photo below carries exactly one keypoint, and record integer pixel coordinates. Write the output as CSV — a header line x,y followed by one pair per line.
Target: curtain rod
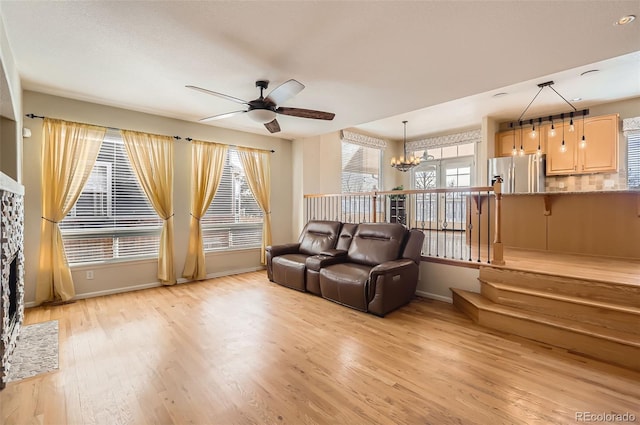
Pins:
x,y
189,139
84,123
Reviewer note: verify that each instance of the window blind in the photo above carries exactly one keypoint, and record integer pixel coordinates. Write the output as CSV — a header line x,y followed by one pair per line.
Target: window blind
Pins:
x,y
234,218
112,218
633,159
360,168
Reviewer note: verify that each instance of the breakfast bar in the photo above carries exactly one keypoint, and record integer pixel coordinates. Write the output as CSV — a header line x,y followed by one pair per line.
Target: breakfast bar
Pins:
x,y
604,223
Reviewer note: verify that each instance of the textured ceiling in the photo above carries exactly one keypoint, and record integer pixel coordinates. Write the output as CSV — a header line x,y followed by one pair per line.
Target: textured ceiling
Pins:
x,y
365,61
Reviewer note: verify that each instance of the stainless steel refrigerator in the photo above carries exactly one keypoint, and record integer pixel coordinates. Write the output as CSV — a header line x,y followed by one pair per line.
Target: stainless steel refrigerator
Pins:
x,y
520,174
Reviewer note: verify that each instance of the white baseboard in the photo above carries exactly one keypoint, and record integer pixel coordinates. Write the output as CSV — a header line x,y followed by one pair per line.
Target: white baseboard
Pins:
x,y
30,304
237,271
434,296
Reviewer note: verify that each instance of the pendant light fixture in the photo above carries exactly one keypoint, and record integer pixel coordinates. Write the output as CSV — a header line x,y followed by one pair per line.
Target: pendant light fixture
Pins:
x,y
563,147
539,151
405,163
533,129
551,119
571,126
514,151
583,142
521,137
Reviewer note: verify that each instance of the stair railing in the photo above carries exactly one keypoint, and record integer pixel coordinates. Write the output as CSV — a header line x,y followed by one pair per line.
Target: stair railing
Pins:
x,y
460,224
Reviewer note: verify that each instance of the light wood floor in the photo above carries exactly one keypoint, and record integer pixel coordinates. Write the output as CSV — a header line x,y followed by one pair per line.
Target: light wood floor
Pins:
x,y
242,350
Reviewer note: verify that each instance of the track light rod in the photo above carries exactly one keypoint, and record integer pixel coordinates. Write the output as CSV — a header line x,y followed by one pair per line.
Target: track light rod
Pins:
x,y
583,112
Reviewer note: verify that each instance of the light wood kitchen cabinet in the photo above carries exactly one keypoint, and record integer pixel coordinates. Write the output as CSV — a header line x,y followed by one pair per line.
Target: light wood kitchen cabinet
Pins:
x,y
600,154
506,140
559,162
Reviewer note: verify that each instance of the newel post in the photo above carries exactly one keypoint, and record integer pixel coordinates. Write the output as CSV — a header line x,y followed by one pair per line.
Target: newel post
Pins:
x,y
498,254
374,199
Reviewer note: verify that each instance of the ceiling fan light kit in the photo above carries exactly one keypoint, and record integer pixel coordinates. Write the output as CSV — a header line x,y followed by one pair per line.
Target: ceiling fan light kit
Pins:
x,y
264,109
262,116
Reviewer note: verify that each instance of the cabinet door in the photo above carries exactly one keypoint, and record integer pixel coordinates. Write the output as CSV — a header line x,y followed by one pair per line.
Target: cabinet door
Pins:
x,y
531,142
505,141
559,162
601,152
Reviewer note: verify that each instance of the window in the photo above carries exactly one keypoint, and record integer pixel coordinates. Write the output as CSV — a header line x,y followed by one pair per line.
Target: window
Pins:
x,y
234,218
633,160
112,218
467,149
360,168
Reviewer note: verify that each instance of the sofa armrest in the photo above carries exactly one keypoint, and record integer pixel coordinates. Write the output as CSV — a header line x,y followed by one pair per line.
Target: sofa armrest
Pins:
x,y
277,250
391,285
316,262
334,252
390,267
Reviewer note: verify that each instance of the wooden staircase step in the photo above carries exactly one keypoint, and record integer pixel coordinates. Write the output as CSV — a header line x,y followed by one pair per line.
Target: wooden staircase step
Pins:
x,y
606,314
610,345
624,294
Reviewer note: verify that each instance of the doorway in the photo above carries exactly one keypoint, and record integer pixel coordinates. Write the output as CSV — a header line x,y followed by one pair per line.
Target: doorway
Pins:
x,y
445,210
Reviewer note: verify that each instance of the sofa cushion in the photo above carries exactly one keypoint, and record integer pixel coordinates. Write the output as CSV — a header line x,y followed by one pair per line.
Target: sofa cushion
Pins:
x,y
375,243
319,236
289,270
345,284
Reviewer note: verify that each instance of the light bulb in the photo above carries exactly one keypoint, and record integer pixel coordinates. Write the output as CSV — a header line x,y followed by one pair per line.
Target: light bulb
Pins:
x,y
533,133
583,142
571,126
539,151
563,147
552,132
521,151
514,152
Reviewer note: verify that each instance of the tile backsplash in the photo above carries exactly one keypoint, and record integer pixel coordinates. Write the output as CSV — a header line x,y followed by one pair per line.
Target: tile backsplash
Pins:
x,y
586,183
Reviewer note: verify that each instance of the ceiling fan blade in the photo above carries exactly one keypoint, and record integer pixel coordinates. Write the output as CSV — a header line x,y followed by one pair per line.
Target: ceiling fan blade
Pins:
x,y
285,91
306,113
224,96
221,116
273,126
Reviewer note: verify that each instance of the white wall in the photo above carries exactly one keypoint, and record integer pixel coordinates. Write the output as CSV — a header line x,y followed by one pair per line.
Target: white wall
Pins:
x,y
317,168
436,279
115,277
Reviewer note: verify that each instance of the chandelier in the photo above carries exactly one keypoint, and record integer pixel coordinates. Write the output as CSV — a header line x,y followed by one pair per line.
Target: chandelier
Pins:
x,y
405,163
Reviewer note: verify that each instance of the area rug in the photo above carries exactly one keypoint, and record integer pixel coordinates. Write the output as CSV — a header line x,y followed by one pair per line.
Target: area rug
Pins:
x,y
36,351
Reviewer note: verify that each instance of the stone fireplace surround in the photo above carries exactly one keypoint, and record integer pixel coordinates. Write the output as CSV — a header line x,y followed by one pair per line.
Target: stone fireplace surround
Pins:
x,y
11,269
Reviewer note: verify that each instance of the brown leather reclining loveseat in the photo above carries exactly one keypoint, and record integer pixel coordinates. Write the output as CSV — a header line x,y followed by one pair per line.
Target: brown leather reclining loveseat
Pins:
x,y
370,267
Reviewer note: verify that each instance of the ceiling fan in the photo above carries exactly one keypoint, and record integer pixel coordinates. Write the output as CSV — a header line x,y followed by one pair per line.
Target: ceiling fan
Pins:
x,y
264,109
